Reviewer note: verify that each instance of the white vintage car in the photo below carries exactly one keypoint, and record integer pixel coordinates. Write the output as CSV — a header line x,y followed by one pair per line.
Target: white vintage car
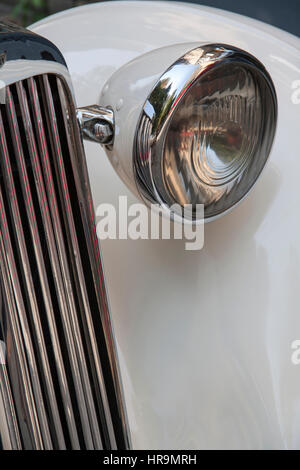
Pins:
x,y
178,105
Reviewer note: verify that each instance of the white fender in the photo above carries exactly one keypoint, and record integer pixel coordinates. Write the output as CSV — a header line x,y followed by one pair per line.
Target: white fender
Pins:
x,y
205,338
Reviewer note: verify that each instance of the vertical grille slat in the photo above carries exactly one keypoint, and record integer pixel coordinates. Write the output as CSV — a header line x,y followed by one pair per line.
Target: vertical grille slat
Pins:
x,y
29,416
81,283
42,272
62,277
20,308
62,380
101,323
28,419
10,413
27,276
70,335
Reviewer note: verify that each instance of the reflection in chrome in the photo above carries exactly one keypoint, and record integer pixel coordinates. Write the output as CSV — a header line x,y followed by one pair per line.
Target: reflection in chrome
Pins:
x,y
97,123
206,130
60,386
9,436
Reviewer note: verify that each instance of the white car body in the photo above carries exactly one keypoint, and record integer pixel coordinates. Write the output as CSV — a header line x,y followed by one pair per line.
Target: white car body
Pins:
x,y
204,338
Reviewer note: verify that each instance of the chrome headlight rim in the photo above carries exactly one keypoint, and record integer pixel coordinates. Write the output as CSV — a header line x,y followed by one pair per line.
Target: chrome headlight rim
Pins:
x,y
160,107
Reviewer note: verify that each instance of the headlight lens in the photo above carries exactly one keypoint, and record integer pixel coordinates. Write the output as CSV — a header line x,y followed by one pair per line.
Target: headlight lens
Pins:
x,y
206,130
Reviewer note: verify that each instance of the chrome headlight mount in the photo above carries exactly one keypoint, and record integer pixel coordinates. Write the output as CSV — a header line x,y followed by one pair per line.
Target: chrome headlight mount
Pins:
x,y
198,131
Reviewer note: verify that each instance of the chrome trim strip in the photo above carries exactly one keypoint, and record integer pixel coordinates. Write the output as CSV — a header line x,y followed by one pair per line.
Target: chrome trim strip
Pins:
x,y
90,331
85,201
70,335
73,237
28,280
14,70
41,269
63,285
7,408
17,325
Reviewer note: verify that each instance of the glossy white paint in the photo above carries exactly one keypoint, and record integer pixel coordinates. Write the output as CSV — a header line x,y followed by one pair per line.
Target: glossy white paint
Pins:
x,y
204,337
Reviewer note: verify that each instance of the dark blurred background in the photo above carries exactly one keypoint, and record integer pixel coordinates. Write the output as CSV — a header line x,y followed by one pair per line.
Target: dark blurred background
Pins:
x,y
283,14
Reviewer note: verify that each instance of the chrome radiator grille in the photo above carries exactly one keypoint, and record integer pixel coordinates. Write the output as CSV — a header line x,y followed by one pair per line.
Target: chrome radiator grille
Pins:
x,y
60,380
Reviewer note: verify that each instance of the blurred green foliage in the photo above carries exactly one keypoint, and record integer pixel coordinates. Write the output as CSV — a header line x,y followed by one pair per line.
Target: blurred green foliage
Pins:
x,y
26,12
29,11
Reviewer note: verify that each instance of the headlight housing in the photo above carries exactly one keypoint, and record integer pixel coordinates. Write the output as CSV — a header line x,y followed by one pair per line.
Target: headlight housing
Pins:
x,y
198,133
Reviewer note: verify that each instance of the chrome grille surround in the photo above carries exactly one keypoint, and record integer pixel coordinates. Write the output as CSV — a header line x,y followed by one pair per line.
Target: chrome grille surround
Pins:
x,y
60,383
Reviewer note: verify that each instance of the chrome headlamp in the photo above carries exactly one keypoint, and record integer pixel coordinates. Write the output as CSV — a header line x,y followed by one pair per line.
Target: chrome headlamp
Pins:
x,y
198,133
